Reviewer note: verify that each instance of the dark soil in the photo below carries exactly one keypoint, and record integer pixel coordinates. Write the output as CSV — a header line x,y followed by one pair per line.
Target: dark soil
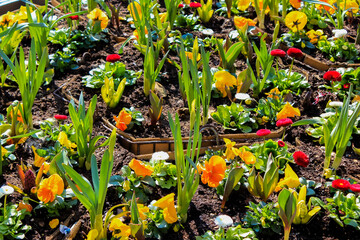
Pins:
x,y
53,99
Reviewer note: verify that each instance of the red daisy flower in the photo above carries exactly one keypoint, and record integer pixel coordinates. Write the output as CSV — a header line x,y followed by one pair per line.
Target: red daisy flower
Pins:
x,y
332,76
113,58
294,52
60,117
181,5
281,143
341,184
195,5
301,158
278,53
263,132
75,17
284,122
355,187
346,86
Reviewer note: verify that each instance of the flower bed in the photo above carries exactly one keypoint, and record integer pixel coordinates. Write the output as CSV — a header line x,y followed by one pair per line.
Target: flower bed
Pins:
x,y
192,122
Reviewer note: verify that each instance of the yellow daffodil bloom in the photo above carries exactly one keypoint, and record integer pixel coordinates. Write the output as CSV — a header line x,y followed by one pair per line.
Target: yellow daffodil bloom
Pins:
x,y
64,141
287,112
98,15
119,229
38,161
242,5
167,204
291,180
295,20
190,56
224,79
131,8
240,22
229,153
140,168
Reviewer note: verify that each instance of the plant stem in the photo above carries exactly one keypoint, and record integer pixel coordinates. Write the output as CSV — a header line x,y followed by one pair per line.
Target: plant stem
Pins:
x,y
290,69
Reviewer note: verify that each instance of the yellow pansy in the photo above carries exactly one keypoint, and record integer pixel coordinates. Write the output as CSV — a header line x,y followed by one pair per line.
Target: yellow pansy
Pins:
x,y
315,36
224,79
242,5
291,180
274,93
350,4
64,141
287,112
7,20
246,156
295,20
119,229
240,22
98,15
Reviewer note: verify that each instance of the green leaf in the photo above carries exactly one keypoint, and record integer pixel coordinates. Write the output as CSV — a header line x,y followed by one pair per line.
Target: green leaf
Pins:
x,y
233,178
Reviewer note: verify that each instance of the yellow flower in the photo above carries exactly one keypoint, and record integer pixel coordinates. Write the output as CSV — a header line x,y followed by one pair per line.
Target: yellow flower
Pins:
x,y
350,4
274,93
64,141
140,168
291,180
142,211
229,153
261,3
8,19
242,5
315,36
98,15
163,16
46,167
21,16
119,229
93,233
246,156
330,10
240,22
3,152
224,79
295,3
187,1
54,223
131,8
136,34
38,161
356,98
287,112
190,56
167,204
49,188
295,20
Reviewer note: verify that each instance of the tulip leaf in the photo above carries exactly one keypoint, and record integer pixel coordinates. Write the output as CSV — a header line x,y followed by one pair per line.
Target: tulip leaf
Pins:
x,y
233,178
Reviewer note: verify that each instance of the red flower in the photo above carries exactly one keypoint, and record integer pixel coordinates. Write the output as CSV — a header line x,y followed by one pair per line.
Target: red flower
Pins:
x,y
263,132
75,17
60,117
341,184
281,143
181,5
346,86
294,52
278,53
284,122
332,76
113,58
195,5
301,158
355,188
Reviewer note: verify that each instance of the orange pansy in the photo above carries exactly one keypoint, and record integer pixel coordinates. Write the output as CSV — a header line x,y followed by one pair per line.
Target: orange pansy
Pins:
x,y
287,112
123,120
50,187
214,171
140,168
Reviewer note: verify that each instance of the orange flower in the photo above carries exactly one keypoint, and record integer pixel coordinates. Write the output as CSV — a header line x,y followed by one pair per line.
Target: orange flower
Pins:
x,y
214,171
123,120
140,168
240,22
246,156
274,93
50,187
295,3
287,112
327,8
24,205
136,34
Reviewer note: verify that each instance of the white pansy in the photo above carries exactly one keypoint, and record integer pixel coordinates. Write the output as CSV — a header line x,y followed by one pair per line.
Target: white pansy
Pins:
x,y
223,221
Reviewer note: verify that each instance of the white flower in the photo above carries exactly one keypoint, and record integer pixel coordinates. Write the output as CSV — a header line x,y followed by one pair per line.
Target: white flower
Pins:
x,y
160,156
338,33
242,96
327,114
208,31
223,221
6,190
335,104
151,206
